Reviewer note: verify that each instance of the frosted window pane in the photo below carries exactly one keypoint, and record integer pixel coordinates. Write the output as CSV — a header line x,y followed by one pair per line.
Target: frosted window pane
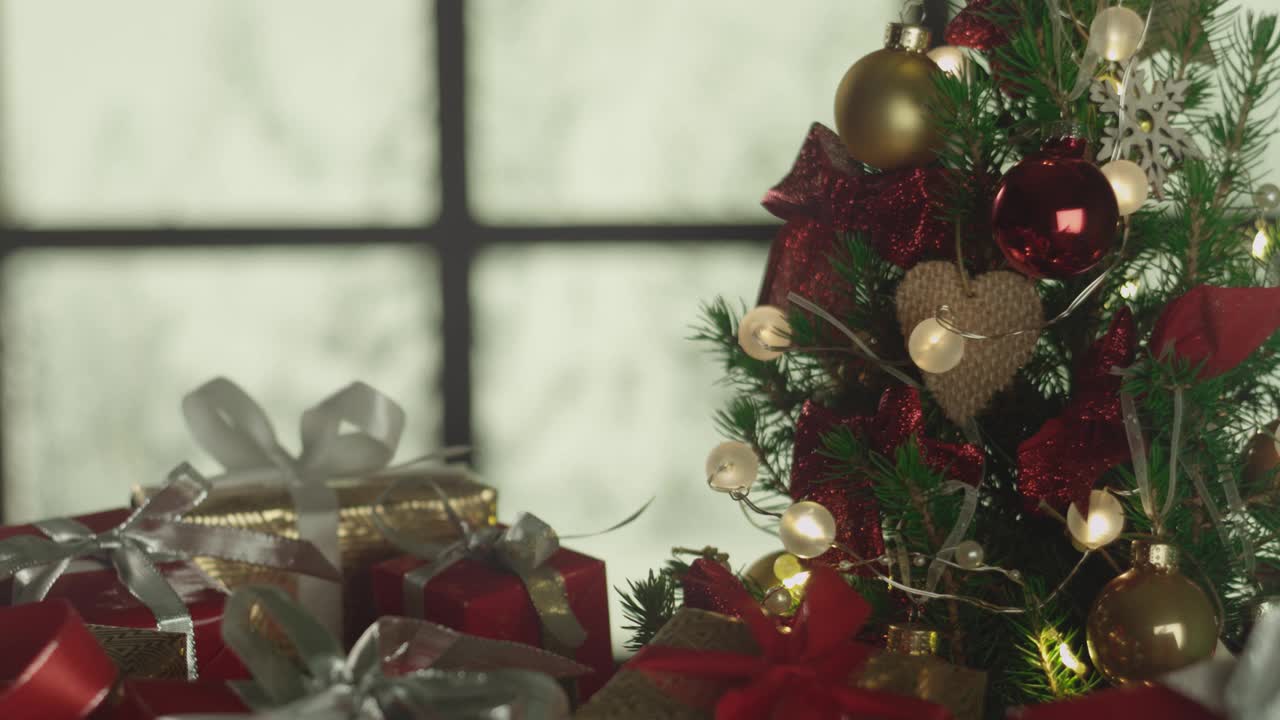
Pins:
x,y
665,110
589,400
289,112
100,347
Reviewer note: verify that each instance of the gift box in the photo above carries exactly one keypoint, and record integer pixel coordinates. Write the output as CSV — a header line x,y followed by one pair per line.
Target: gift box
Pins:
x,y
337,480
484,599
51,667
705,664
418,669
94,589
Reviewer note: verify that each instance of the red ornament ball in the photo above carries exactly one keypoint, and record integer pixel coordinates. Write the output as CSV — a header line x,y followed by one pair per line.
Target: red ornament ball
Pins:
x,y
1055,215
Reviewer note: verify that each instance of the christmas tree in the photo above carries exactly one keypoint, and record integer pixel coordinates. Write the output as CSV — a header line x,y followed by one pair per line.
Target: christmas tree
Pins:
x,y
1012,370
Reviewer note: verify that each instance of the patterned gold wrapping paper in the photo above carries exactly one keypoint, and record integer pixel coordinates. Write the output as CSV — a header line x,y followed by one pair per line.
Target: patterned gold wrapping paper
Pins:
x,y
633,696
414,509
144,653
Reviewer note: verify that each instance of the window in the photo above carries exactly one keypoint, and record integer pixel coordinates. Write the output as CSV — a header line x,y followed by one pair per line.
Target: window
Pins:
x,y
502,212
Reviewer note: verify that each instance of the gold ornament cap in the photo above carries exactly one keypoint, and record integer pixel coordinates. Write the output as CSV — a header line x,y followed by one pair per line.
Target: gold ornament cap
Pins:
x,y
1161,556
912,640
905,36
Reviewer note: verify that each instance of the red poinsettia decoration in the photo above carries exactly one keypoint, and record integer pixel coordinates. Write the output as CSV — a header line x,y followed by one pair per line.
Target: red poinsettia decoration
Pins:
x,y
814,476
1063,460
1216,328
827,193
803,674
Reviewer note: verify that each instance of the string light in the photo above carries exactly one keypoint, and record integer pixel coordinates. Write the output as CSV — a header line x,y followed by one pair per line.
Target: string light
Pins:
x,y
950,60
1261,243
732,467
807,529
1104,524
1129,290
1071,661
1115,33
764,333
934,348
1129,183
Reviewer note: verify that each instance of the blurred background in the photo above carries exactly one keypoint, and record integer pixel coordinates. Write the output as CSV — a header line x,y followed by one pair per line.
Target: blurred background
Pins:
x,y
503,213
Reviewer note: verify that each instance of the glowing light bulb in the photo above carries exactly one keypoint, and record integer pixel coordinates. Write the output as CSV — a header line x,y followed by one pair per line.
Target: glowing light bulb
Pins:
x,y
1129,183
933,348
1115,32
1104,524
796,581
1071,661
1129,290
787,566
807,529
969,555
764,333
950,60
732,466
1261,244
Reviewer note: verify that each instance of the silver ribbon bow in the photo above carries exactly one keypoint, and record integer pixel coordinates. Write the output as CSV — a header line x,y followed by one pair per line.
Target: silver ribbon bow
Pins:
x,y
1244,688
523,548
383,677
353,432
152,533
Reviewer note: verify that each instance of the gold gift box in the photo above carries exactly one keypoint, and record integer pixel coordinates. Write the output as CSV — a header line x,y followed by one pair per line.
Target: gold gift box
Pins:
x,y
633,695
144,653
258,501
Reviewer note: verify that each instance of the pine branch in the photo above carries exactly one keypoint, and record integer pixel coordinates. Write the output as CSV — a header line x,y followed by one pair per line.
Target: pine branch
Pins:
x,y
648,605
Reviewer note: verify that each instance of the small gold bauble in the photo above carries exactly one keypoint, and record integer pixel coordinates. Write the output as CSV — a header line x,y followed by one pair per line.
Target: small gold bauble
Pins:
x,y
1150,620
909,639
761,571
1261,458
882,104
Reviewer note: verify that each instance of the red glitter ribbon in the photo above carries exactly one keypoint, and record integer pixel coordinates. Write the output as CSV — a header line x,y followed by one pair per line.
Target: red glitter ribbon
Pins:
x,y
53,668
827,193
1216,327
803,674
814,476
976,27
1139,702
1063,460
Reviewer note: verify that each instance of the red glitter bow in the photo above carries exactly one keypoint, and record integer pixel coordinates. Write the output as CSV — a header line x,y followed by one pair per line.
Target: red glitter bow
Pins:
x,y
826,193
708,585
803,674
814,476
976,27
1137,702
1063,460
1216,327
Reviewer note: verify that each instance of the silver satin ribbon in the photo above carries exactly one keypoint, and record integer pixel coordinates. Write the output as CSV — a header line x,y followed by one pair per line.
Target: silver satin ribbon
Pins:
x,y
152,533
1137,448
859,346
353,432
523,548
1244,688
399,669
968,508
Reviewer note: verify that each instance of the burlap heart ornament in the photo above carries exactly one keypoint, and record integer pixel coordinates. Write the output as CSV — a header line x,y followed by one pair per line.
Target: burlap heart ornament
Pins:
x,y
998,302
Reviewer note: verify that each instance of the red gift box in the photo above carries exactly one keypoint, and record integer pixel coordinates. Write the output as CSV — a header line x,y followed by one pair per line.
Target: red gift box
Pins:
x,y
151,699
480,599
101,599
51,667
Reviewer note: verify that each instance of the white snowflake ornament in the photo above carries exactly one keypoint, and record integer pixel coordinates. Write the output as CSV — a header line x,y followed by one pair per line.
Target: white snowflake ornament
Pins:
x,y
1146,130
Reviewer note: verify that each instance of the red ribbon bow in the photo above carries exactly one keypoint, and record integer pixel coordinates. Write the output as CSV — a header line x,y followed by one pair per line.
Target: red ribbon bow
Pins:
x,y
1063,460
51,668
1216,327
826,193
801,675
898,418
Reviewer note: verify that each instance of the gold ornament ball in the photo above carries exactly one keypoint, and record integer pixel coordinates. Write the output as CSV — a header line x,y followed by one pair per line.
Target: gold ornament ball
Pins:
x,y
882,108
761,571
1150,620
1262,458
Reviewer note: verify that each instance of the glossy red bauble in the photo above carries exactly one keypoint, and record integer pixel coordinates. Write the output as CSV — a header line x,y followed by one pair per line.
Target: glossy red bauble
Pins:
x,y
1054,214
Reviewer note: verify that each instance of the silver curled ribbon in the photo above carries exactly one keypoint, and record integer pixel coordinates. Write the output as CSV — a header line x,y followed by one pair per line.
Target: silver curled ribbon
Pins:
x,y
354,432
152,533
522,548
399,669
